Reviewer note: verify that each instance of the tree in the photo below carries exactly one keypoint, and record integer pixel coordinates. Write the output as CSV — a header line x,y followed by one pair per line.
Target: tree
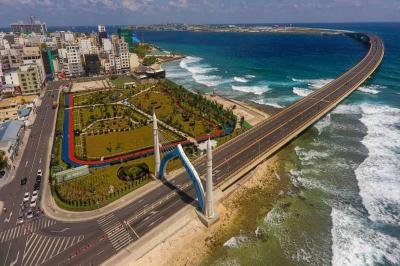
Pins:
x,y
3,160
148,61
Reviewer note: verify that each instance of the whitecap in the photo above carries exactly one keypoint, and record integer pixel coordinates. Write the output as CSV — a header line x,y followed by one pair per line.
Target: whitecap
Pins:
x,y
322,124
372,89
355,243
301,92
347,109
240,79
378,175
252,89
202,73
269,102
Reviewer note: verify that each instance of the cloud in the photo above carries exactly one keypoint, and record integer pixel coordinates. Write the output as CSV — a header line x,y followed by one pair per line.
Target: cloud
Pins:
x,y
179,3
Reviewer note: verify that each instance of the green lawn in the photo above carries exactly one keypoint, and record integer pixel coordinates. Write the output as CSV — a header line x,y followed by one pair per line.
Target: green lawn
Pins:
x,y
82,193
167,111
119,81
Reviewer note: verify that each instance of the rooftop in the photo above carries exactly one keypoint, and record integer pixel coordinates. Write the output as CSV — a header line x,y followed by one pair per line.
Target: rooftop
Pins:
x,y
9,130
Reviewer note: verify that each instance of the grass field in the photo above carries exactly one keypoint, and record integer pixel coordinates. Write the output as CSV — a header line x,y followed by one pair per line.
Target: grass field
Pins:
x,y
82,193
119,82
111,130
166,110
115,143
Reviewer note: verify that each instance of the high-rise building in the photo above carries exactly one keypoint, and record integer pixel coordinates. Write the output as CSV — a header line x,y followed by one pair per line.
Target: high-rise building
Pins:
x,y
35,26
25,79
102,34
92,64
101,28
126,34
71,60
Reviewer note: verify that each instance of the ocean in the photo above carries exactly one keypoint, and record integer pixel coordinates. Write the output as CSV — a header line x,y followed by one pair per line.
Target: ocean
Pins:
x,y
342,204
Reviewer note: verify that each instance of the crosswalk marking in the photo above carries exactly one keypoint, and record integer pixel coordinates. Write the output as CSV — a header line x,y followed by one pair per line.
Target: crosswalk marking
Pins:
x,y
115,230
41,248
25,229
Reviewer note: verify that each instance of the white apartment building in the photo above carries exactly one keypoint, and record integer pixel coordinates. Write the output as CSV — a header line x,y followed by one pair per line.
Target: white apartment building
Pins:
x,y
71,60
107,45
69,37
101,28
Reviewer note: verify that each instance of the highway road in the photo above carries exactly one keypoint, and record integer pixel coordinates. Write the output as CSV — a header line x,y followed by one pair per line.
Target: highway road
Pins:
x,y
42,241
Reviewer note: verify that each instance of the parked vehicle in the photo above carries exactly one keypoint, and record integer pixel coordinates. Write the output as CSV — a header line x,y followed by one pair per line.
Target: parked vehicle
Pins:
x,y
33,203
29,214
20,219
27,196
39,172
23,181
35,194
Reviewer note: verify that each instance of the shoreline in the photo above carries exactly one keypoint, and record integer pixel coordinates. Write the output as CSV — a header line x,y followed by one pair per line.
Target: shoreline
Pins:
x,y
194,243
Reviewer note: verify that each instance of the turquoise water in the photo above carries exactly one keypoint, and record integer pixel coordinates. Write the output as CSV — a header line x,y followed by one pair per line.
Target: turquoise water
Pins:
x,y
342,206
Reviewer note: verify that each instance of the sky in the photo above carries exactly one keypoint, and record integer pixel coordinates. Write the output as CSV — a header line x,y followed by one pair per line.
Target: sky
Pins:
x,y
125,12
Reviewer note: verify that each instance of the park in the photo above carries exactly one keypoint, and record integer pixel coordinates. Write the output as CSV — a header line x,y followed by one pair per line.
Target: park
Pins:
x,y
110,131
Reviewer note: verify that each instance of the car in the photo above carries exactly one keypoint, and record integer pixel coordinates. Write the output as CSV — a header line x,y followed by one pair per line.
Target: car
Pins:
x,y
36,186
35,194
2,173
23,181
38,178
20,219
39,172
27,196
33,203
29,214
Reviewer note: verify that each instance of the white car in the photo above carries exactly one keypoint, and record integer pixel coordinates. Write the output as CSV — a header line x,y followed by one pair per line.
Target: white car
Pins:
x,y
33,203
39,172
35,195
29,214
27,196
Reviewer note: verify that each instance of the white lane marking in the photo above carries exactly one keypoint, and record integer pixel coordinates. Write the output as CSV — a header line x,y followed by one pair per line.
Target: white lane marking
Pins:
x,y
8,251
60,231
32,252
55,248
7,220
30,245
100,252
37,253
132,230
15,261
48,250
61,244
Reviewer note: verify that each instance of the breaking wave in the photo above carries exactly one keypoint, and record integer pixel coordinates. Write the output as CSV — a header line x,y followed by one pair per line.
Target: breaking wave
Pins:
x,y
380,171
202,73
252,89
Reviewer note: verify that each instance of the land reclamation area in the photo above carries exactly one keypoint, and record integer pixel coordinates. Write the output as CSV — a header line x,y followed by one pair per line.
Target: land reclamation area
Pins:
x,y
108,127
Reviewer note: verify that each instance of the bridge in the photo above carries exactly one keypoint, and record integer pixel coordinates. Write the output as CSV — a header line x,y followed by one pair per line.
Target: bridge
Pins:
x,y
97,240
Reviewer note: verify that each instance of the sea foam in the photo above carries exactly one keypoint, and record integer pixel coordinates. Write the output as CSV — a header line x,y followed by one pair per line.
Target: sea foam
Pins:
x,y
355,243
252,89
378,176
202,73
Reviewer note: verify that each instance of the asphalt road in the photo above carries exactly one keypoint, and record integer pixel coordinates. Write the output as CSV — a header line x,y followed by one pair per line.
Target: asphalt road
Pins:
x,y
42,241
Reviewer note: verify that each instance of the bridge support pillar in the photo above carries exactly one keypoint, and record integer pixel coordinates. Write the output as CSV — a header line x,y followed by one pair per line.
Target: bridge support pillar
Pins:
x,y
156,144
